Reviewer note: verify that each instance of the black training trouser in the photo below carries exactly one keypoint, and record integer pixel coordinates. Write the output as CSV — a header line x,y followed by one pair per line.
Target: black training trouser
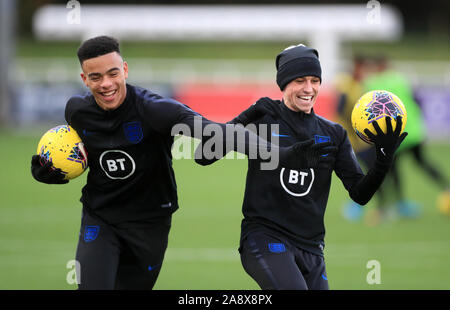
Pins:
x,y
113,257
276,265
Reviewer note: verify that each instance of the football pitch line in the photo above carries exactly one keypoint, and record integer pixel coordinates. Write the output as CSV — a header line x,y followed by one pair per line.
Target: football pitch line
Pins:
x,y
13,251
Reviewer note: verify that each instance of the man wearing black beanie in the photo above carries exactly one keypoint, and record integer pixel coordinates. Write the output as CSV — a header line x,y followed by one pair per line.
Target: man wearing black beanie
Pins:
x,y
282,233
297,61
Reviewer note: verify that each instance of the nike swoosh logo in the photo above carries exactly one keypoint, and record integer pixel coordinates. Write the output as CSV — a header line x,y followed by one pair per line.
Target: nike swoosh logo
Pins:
x,y
382,151
274,134
150,268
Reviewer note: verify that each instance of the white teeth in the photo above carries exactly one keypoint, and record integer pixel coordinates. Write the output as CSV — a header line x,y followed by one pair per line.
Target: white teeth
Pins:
x,y
305,97
109,93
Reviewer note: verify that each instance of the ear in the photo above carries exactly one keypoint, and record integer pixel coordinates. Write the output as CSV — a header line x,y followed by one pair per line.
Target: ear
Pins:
x,y
125,69
84,78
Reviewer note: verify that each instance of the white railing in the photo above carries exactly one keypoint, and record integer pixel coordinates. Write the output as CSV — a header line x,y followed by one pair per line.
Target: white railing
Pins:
x,y
173,71
325,27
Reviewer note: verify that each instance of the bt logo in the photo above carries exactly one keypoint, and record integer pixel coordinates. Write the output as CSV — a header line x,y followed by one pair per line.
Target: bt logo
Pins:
x,y
294,174
117,164
297,183
112,164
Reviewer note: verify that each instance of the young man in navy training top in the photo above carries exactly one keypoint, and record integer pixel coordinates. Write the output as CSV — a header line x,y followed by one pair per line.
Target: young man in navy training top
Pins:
x,y
131,192
282,232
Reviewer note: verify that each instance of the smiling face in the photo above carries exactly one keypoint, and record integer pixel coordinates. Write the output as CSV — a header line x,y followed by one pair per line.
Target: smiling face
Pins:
x,y
106,76
301,94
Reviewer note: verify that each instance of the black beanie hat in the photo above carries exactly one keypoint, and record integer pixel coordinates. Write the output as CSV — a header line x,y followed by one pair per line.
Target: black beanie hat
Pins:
x,y
297,61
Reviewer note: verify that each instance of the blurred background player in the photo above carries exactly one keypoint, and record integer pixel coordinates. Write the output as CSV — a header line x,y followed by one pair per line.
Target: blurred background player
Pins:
x,y
350,89
379,74
349,86
385,77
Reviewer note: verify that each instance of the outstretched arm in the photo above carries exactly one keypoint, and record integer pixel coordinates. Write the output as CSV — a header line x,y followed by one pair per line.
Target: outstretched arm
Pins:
x,y
305,154
167,115
385,144
230,137
264,106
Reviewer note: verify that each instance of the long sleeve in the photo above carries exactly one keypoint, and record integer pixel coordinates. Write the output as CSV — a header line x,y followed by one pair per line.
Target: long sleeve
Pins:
x,y
365,188
167,116
361,187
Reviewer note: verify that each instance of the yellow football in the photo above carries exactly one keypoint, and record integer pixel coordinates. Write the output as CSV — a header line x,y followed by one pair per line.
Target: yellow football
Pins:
x,y
63,147
375,106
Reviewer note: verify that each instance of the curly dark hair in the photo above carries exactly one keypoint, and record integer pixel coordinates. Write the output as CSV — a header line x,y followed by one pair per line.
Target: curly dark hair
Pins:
x,y
97,46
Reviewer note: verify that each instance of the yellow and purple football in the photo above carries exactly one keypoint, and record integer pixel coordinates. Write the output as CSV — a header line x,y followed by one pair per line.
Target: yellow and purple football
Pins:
x,y
375,106
63,147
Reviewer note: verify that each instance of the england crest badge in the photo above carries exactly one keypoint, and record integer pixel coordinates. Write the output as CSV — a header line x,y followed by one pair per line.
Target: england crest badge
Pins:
x,y
91,233
133,132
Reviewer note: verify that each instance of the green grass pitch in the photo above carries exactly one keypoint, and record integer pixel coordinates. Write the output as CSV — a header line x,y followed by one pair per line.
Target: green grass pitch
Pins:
x,y
39,226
